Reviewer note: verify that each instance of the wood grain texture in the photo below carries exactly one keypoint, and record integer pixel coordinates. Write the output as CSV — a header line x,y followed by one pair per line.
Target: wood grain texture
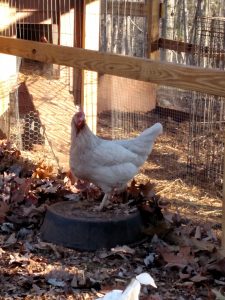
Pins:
x,y
153,18
184,77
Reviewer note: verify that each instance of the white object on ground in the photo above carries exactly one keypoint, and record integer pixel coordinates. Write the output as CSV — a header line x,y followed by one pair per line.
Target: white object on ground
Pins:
x,y
132,290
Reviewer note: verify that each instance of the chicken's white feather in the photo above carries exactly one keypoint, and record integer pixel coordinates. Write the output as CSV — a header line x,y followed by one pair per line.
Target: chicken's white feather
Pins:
x,y
132,291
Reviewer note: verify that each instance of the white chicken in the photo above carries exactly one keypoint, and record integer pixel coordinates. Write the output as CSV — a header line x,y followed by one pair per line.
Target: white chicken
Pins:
x,y
109,164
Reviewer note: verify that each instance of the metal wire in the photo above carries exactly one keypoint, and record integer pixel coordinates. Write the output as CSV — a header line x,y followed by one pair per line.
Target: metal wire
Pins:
x,y
206,142
40,113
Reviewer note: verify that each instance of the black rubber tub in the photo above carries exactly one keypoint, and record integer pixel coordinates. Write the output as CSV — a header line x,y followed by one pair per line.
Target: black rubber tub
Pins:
x,y
89,231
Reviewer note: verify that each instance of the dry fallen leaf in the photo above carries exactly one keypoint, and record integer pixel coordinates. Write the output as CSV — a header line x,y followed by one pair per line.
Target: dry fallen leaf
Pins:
x,y
56,282
199,278
199,245
11,240
218,294
4,208
180,260
22,190
123,249
218,266
133,189
198,233
43,171
1,252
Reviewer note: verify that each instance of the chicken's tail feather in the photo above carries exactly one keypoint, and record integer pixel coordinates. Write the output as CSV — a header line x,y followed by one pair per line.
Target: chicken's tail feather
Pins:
x,y
154,130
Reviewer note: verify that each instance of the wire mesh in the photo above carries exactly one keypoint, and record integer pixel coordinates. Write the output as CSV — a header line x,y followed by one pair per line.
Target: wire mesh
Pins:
x,y
124,30
40,102
206,141
40,97
202,45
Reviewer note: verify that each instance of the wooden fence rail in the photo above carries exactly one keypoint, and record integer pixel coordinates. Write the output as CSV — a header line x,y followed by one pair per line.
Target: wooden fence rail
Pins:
x,y
184,77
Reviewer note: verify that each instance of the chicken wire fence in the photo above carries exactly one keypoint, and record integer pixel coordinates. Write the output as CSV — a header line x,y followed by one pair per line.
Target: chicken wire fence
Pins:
x,y
42,97
203,30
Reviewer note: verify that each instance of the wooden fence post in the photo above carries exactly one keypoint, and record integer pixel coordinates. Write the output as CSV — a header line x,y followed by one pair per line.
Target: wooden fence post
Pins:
x,y
78,42
153,17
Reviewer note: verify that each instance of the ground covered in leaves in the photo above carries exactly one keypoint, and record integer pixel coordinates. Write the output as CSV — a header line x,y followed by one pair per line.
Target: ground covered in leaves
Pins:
x,y
181,254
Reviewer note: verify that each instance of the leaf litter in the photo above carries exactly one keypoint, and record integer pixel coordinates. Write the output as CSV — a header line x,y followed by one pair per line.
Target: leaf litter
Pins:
x,y
182,257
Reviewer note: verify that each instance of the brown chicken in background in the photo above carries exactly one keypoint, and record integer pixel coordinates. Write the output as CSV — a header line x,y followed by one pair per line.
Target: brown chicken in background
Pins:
x,y
108,164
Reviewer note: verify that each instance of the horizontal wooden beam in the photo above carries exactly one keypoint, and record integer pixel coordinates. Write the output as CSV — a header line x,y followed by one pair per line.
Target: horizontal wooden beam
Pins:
x,y
180,46
184,77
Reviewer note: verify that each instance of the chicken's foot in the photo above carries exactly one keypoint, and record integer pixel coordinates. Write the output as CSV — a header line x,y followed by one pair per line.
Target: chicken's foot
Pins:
x,y
104,201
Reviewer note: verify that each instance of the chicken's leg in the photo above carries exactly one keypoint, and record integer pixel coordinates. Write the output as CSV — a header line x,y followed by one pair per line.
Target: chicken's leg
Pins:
x,y
104,201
